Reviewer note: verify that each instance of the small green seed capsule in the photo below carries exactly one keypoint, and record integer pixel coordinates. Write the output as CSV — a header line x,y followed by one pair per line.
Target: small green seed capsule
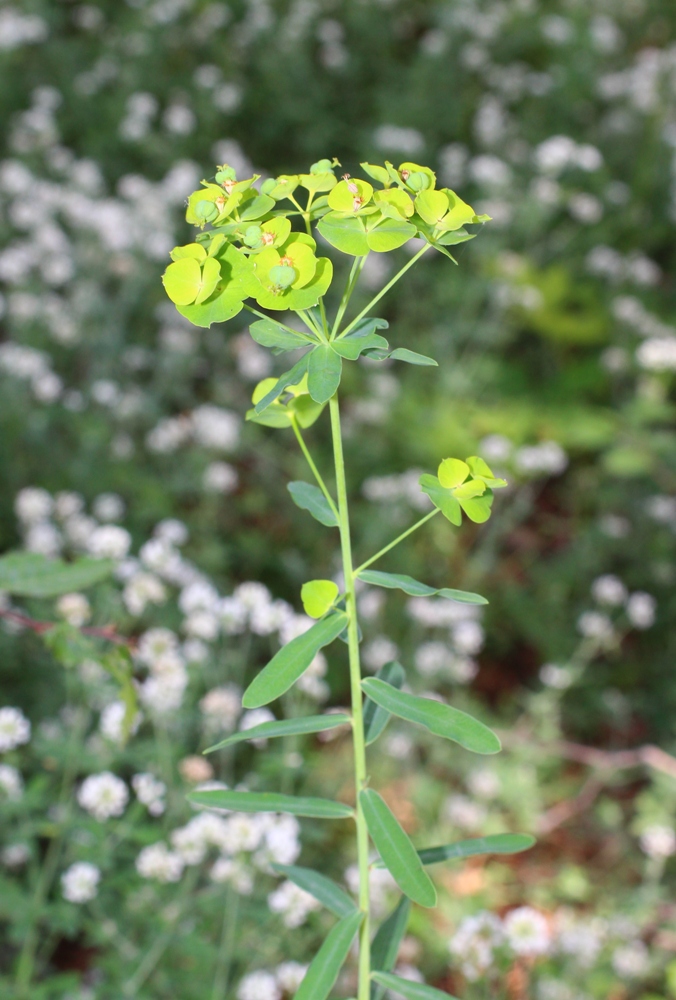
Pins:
x,y
253,236
206,211
225,173
321,167
282,276
418,181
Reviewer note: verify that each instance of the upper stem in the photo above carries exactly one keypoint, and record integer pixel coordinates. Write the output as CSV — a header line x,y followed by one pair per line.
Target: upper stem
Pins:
x,y
357,704
399,538
385,290
310,462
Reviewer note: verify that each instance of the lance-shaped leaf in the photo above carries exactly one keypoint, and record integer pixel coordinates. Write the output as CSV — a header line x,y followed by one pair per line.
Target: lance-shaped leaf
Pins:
x,y
329,960
375,717
292,377
261,802
400,581
324,370
284,727
408,989
292,660
322,888
309,497
30,574
412,357
365,326
398,853
385,945
351,347
440,719
497,843
267,333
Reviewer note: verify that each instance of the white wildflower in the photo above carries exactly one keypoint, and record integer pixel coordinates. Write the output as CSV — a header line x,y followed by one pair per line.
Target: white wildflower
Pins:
x,y
595,625
108,507
631,960
641,609
140,590
527,932
15,728
111,723
219,477
234,872
33,505
259,986
79,883
109,541
290,975
75,608
43,538
158,862
222,706
156,643
658,841
15,855
255,718
293,903
609,589
216,428
150,792
378,652
464,813
103,795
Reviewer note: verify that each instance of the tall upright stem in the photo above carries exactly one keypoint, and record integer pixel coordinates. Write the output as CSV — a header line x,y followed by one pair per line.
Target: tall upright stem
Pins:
x,y
357,706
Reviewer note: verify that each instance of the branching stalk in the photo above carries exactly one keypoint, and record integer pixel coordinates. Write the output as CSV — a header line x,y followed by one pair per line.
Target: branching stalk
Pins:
x,y
313,467
384,291
359,742
399,538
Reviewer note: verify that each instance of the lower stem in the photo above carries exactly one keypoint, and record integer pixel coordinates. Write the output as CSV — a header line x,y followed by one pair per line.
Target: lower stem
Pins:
x,y
359,742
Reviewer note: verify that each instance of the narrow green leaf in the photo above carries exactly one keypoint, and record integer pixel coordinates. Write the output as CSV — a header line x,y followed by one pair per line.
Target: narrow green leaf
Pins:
x,y
29,574
292,377
291,661
285,727
400,581
497,843
366,326
267,333
385,945
398,853
440,719
257,802
329,960
412,357
408,989
375,717
309,497
322,888
324,370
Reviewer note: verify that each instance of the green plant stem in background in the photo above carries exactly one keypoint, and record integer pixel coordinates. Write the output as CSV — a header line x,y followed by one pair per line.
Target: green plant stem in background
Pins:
x,y
355,271
227,945
359,742
399,538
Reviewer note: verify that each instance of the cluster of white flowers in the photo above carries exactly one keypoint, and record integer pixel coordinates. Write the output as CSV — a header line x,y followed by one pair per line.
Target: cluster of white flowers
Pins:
x,y
658,841
451,659
209,426
524,932
397,488
35,367
610,592
15,729
150,792
617,268
293,903
17,29
103,795
243,843
560,152
263,985
79,883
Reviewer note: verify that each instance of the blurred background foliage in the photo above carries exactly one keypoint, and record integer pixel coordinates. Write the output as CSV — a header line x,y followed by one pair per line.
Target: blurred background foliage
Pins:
x,y
554,336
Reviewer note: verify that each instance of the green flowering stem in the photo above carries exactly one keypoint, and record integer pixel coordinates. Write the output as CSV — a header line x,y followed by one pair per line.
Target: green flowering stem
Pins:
x,y
313,467
289,329
359,742
355,271
399,538
385,290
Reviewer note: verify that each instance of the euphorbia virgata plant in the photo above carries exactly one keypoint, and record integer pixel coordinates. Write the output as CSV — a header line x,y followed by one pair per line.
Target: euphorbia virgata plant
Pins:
x,y
248,255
